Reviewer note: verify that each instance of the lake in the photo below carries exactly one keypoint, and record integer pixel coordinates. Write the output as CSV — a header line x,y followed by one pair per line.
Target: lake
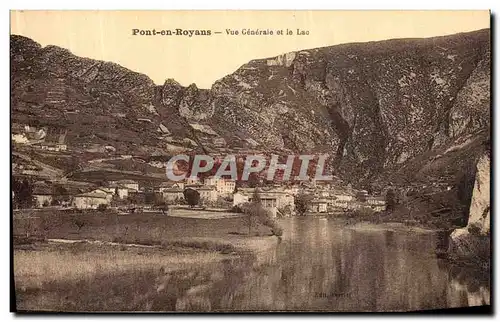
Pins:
x,y
324,265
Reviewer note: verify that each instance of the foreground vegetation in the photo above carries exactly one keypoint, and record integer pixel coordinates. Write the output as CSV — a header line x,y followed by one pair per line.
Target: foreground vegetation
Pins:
x,y
83,277
114,262
144,228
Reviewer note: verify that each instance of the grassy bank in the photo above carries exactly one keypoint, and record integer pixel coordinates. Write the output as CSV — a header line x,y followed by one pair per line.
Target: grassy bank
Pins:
x,y
39,264
83,277
112,274
146,228
427,220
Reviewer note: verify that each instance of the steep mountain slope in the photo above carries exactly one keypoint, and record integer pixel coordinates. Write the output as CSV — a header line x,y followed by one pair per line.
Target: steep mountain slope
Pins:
x,y
98,102
371,106
374,104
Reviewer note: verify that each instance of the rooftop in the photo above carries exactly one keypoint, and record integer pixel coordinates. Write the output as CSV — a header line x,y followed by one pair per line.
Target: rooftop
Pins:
x,y
93,194
125,181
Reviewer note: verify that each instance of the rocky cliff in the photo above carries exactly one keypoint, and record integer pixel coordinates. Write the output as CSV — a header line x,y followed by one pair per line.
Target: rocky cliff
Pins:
x,y
473,241
372,106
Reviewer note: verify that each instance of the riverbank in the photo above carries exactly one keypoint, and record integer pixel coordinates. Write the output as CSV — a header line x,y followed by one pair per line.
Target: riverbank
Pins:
x,y
115,263
428,221
472,254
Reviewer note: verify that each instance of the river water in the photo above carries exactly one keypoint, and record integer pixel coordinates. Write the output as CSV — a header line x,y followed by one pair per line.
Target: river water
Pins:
x,y
323,265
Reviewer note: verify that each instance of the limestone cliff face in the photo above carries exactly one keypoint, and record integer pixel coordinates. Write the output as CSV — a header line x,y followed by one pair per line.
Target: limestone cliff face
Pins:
x,y
371,106
473,241
97,102
480,204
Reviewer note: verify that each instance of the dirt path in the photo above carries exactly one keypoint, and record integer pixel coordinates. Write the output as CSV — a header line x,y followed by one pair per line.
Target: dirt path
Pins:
x,y
97,242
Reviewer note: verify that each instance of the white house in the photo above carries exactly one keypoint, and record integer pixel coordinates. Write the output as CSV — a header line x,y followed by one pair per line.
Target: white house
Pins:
x,y
272,200
268,201
208,193
377,203
43,196
343,197
240,198
192,180
92,200
115,189
157,164
49,146
169,185
283,198
20,138
318,205
223,186
172,195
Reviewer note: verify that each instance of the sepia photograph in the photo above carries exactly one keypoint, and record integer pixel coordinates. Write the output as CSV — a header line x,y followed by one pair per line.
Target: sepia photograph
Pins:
x,y
250,161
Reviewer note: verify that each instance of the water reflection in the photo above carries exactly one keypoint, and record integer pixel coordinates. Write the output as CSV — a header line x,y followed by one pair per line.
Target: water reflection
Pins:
x,y
320,265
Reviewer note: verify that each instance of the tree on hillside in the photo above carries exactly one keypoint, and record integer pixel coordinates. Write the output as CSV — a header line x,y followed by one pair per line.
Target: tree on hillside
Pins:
x,y
23,194
302,201
60,195
192,197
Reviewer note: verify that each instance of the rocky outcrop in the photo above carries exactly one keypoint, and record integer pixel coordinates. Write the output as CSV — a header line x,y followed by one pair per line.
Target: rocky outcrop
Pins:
x,y
473,241
96,102
370,106
373,104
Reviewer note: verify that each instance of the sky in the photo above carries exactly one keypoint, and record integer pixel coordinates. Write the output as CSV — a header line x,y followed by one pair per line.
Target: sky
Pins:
x,y
108,35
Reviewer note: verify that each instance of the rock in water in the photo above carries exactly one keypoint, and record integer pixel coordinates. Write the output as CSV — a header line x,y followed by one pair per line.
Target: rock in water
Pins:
x,y
473,241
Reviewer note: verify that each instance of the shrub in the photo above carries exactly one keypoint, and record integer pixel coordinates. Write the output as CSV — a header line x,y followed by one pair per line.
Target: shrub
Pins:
x,y
222,202
276,229
255,214
361,212
390,200
192,197
237,209
252,211
302,201
284,211
78,221
474,229
365,211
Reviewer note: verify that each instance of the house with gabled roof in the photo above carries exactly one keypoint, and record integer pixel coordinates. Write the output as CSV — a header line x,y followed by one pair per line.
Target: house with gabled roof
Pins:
x,y
92,199
42,195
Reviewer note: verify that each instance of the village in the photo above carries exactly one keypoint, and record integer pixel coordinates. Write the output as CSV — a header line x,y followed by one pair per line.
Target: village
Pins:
x,y
214,192
128,183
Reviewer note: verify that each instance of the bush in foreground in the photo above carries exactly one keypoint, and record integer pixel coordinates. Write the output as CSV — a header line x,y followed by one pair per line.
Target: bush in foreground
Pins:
x,y
256,213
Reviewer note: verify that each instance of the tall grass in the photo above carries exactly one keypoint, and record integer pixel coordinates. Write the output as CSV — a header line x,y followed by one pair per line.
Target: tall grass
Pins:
x,y
34,269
